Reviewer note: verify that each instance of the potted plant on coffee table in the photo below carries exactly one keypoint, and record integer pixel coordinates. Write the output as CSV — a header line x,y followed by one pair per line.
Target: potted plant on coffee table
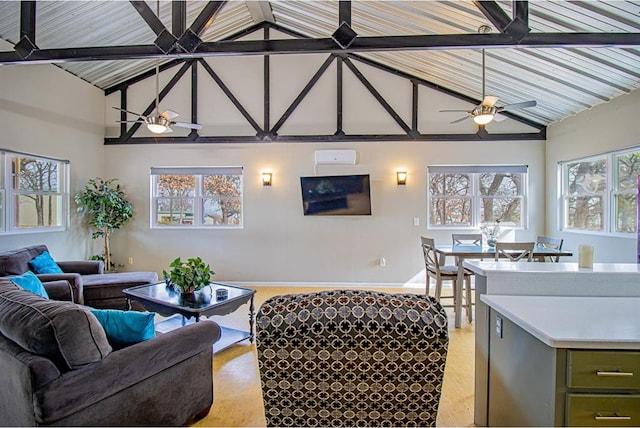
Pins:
x,y
188,277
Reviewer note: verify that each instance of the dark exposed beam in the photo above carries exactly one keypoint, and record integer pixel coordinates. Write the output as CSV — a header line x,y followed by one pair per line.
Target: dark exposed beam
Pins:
x,y
28,20
26,46
178,17
328,45
339,94
479,136
205,18
344,12
149,16
190,39
494,13
266,64
521,11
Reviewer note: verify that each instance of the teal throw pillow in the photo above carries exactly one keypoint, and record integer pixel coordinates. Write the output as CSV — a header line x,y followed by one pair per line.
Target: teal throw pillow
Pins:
x,y
44,263
125,327
29,282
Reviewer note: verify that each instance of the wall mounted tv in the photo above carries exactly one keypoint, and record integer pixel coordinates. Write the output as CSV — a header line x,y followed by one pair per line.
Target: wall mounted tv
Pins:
x,y
336,195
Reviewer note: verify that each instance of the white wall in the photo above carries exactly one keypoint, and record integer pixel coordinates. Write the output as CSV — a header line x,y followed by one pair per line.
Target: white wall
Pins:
x,y
605,128
279,244
47,111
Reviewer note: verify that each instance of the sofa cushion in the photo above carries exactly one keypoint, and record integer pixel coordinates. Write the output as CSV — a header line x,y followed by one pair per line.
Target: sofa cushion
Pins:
x,y
30,282
16,261
124,328
62,331
44,263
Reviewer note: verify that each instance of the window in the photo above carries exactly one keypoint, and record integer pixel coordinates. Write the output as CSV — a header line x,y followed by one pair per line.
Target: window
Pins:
x,y
33,193
199,197
599,193
468,196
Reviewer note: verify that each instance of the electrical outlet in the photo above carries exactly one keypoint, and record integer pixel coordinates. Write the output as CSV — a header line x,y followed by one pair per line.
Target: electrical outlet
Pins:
x,y
499,327
130,260
416,221
382,262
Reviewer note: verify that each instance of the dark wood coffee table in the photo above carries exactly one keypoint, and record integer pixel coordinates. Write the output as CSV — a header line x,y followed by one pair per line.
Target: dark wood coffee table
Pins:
x,y
167,302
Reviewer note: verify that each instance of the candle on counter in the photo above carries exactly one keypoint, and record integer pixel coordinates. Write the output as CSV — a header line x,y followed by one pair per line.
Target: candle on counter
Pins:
x,y
585,256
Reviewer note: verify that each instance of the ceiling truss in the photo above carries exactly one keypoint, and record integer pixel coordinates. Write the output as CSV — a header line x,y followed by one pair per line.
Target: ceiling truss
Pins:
x,y
344,63
185,46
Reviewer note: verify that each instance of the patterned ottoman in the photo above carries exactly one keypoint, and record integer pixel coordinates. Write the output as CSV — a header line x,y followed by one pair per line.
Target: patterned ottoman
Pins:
x,y
351,358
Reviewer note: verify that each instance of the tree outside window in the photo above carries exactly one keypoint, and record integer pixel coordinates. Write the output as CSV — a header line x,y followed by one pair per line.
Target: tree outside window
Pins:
x,y
37,192
469,196
197,197
585,194
625,195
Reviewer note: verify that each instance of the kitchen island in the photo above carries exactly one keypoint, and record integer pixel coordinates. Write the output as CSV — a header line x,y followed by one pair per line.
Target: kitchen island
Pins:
x,y
563,361
537,279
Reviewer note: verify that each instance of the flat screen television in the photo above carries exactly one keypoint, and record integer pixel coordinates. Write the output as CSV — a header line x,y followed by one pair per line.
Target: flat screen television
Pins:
x,y
336,195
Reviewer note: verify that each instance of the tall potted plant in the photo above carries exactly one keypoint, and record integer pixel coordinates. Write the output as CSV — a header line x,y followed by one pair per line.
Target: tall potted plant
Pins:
x,y
104,205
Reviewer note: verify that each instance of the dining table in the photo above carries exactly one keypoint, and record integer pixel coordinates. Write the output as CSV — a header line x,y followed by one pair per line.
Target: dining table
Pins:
x,y
461,252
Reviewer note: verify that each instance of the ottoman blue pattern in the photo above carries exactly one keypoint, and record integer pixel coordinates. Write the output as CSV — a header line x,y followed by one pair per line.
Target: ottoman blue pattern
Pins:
x,y
351,358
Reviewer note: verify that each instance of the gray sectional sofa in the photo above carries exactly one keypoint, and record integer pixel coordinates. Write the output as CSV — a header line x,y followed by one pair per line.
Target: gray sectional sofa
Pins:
x,y
58,369
86,278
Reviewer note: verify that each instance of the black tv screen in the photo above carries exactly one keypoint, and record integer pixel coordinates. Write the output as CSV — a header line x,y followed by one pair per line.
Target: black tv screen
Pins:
x,y
336,195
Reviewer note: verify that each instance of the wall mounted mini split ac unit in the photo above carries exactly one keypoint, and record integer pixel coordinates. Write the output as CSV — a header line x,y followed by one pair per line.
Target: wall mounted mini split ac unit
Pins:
x,y
335,157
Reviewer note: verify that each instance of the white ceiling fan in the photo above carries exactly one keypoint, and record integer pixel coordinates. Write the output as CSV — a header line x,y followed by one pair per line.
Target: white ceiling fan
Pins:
x,y
159,123
487,111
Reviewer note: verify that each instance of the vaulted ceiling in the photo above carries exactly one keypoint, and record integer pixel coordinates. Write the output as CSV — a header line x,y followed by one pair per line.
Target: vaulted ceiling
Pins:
x,y
567,55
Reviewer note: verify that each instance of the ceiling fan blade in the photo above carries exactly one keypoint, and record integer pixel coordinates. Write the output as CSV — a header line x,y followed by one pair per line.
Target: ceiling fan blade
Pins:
x,y
187,125
456,111
499,118
130,121
517,106
128,111
461,119
168,130
489,100
169,114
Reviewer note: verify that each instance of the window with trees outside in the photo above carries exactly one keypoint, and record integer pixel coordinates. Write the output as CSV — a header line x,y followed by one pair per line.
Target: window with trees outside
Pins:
x,y
33,193
470,196
196,197
599,193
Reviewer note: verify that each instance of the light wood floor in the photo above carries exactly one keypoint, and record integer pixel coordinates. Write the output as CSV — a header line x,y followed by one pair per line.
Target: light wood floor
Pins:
x,y
237,393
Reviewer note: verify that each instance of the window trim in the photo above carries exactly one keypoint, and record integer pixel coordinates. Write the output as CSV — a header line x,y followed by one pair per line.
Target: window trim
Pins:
x,y
474,171
8,224
197,197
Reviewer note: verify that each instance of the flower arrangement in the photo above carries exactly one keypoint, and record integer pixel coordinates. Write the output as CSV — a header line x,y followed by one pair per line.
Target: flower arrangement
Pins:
x,y
491,232
189,276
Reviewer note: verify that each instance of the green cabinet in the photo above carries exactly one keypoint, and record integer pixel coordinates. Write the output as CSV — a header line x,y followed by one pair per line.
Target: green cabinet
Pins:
x,y
603,388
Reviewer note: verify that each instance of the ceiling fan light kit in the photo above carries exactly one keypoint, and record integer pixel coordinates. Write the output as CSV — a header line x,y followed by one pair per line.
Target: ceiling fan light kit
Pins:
x,y
486,111
157,124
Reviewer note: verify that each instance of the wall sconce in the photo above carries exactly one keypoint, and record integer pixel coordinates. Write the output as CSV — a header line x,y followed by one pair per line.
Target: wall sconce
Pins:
x,y
266,178
401,176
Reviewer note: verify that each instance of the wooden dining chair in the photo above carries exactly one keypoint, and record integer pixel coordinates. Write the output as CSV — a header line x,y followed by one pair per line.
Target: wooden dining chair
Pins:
x,y
443,273
515,251
474,239
550,243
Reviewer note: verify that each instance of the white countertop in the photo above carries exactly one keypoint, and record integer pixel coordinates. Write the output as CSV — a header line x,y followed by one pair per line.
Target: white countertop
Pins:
x,y
486,267
556,279
574,322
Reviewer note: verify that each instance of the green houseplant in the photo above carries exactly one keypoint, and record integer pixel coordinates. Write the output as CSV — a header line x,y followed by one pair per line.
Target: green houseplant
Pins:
x,y
189,276
104,205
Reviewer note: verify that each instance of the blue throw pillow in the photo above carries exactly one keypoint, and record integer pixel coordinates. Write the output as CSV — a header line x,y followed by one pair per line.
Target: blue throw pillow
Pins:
x,y
29,282
44,263
125,327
